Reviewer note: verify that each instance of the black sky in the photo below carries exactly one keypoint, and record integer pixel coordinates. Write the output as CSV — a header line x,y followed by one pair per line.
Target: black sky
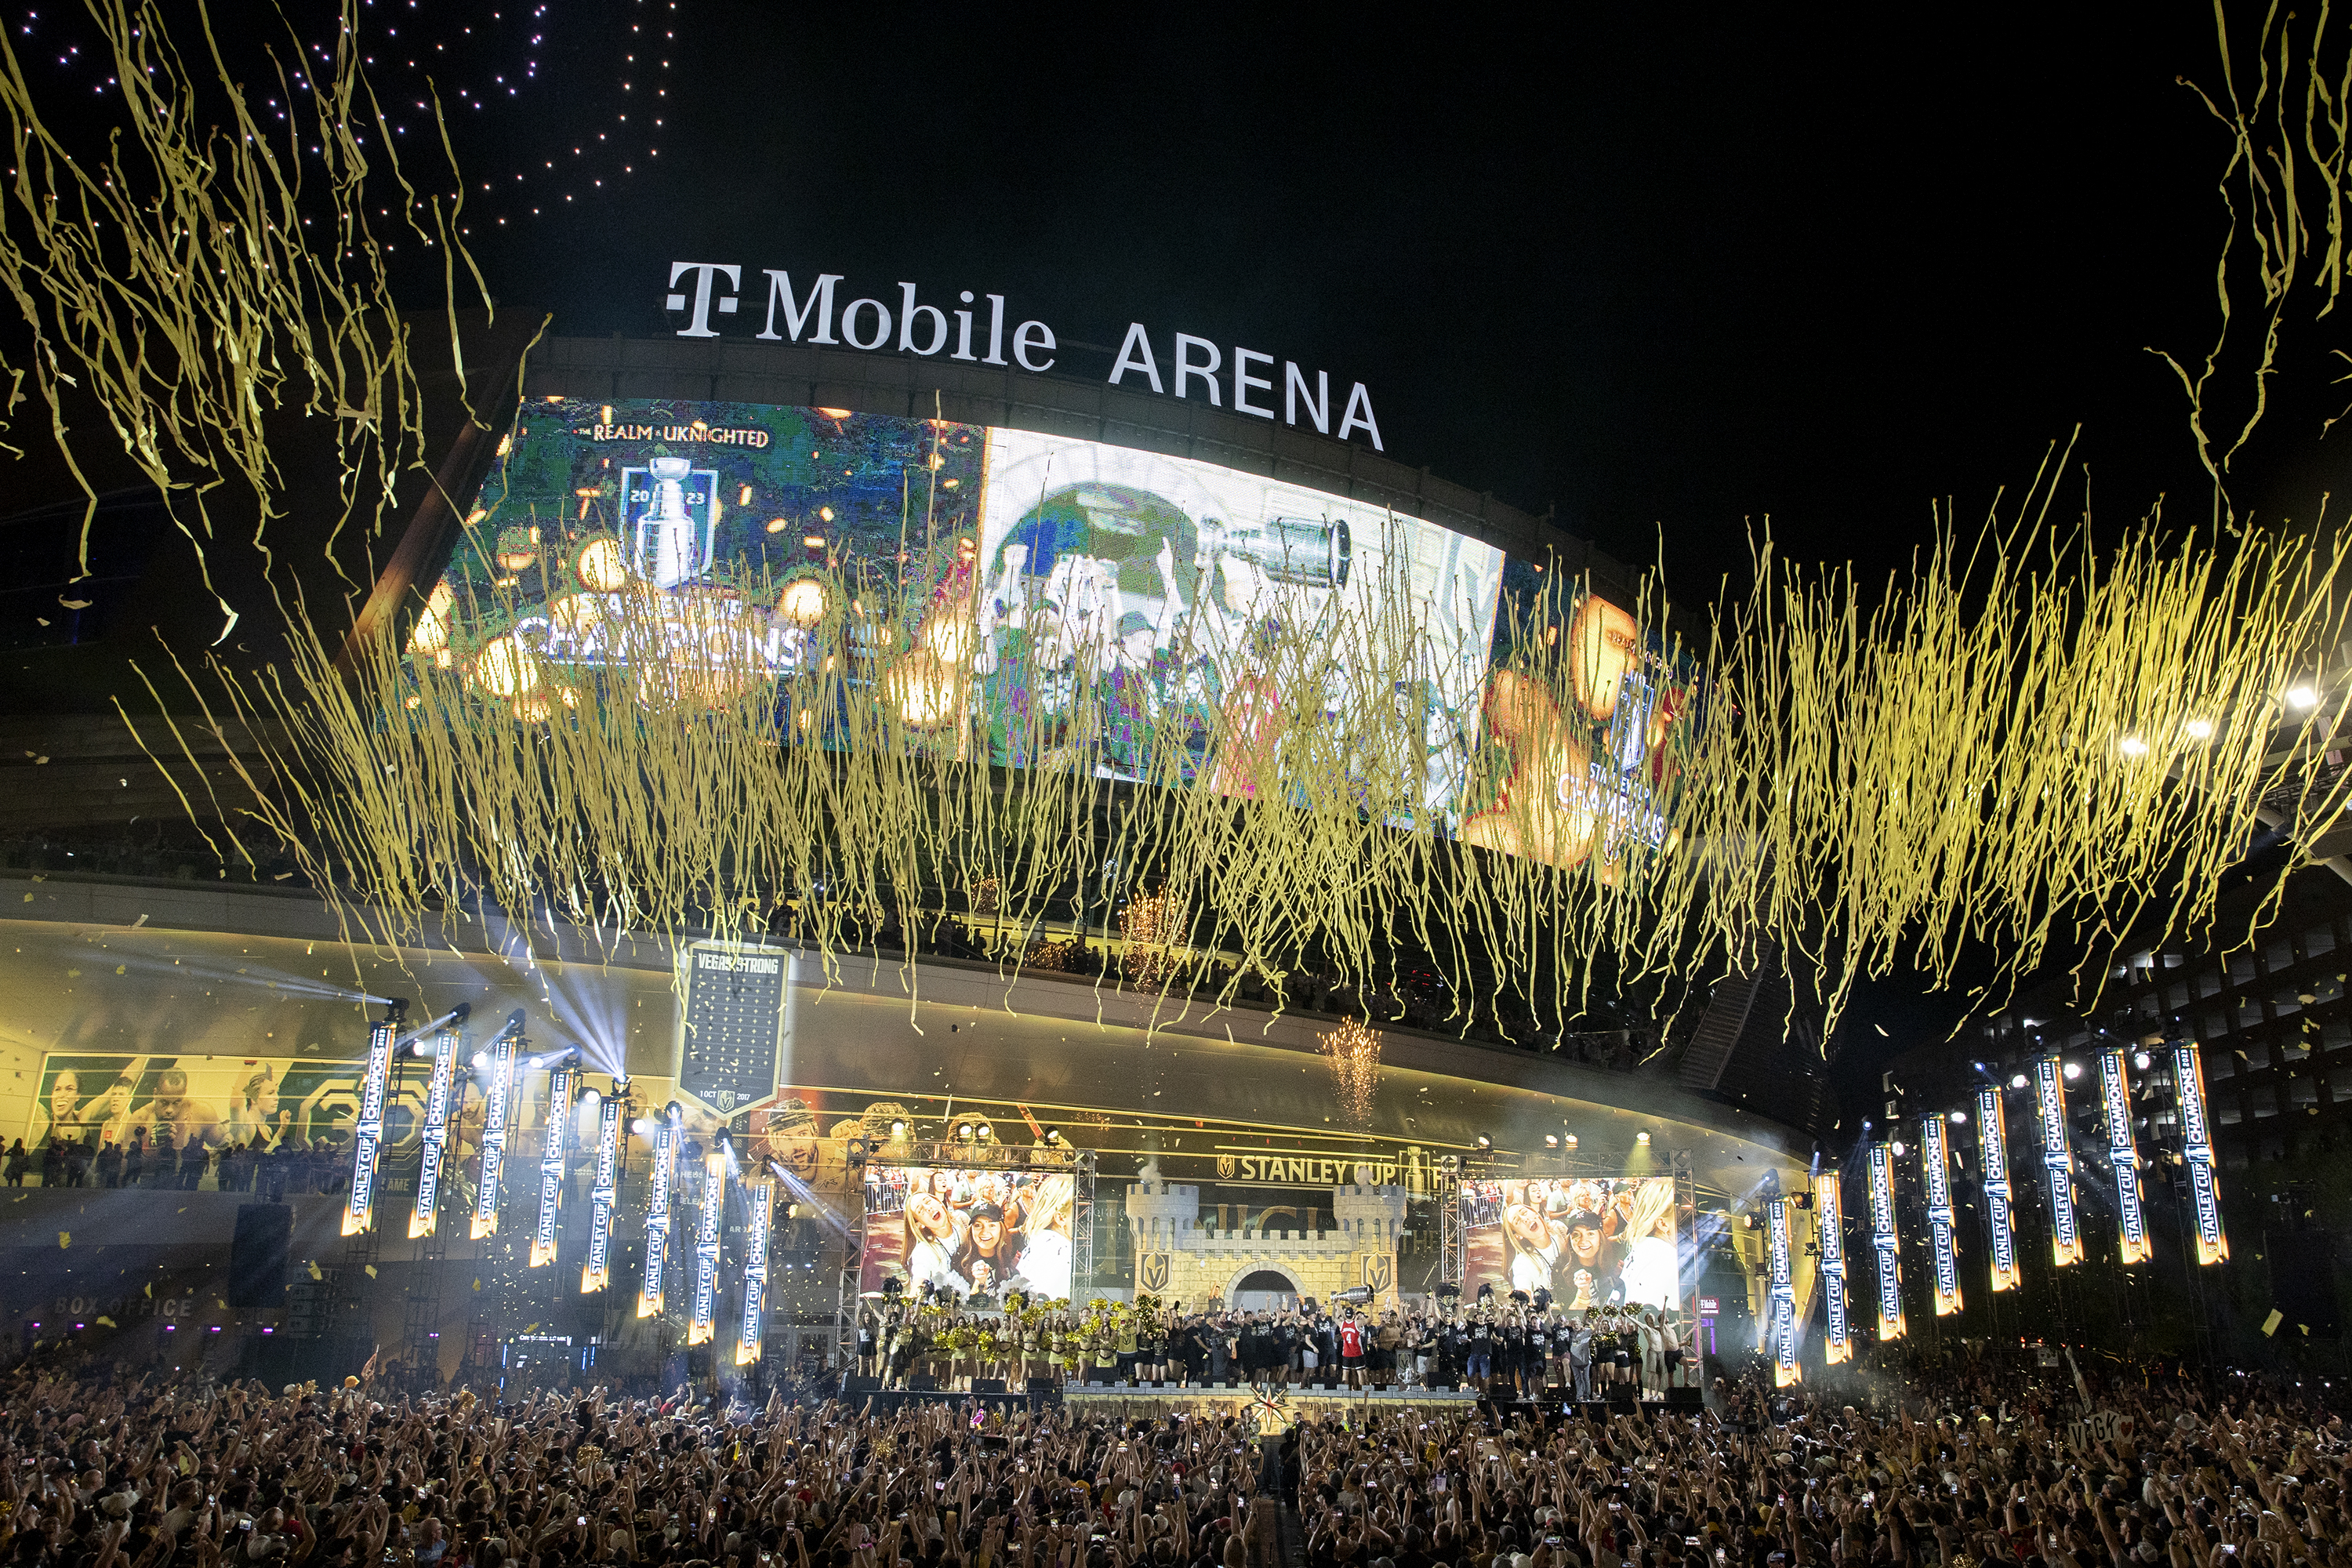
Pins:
x,y
1666,272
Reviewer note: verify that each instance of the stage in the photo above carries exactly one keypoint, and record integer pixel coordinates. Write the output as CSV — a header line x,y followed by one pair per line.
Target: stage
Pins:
x,y
1295,1403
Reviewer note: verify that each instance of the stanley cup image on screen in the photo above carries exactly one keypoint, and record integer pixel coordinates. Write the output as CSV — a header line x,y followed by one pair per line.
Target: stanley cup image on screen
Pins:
x,y
968,1233
1162,581
1590,1242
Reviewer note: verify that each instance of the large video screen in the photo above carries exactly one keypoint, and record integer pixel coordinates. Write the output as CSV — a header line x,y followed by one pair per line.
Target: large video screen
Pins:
x,y
972,1232
1169,579
1591,1242
1064,602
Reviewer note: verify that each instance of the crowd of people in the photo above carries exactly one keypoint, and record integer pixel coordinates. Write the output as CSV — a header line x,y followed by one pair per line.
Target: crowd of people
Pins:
x,y
1515,1347
1986,1457
270,1169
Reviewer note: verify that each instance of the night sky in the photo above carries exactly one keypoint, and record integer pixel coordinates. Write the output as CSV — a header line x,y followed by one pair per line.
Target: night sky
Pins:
x,y
1668,273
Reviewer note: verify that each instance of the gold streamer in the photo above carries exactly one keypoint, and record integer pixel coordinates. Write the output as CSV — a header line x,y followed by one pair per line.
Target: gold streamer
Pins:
x,y
190,285
2024,743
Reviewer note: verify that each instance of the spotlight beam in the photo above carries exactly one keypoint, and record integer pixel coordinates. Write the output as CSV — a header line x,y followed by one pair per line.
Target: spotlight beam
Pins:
x,y
456,1015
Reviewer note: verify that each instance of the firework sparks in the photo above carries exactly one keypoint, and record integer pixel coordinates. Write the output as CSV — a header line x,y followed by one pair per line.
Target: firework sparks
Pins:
x,y
1354,1052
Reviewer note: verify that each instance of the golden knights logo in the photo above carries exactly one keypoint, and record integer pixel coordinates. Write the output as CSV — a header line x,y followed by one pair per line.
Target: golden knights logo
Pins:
x,y
1151,1272
1268,1411
1225,1167
1379,1274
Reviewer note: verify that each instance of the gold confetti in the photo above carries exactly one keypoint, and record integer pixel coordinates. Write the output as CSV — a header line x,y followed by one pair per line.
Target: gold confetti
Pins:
x,y
316,1272
65,1238
1823,821
371,1270
106,1322
260,321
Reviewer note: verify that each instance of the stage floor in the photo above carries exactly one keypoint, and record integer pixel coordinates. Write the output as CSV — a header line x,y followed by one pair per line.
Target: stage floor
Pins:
x,y
1295,1403
1292,1404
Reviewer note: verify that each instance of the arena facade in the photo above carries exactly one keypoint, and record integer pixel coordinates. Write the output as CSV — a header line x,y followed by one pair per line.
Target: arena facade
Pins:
x,y
1212,1153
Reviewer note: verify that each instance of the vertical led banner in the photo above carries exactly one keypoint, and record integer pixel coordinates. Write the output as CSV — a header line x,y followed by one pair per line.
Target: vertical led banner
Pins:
x,y
1882,1240
553,1147
1935,1166
2123,1153
755,1269
1829,1209
1781,1311
2058,1159
603,1198
426,1217
1993,1148
649,1291
367,1137
706,1250
2197,1151
496,1104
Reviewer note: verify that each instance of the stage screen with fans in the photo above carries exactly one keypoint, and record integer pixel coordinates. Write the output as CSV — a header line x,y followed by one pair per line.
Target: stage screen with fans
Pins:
x,y
1027,599
968,1232
1588,1241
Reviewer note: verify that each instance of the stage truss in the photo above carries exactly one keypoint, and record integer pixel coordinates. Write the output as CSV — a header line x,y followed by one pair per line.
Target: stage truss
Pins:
x,y
1450,1238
